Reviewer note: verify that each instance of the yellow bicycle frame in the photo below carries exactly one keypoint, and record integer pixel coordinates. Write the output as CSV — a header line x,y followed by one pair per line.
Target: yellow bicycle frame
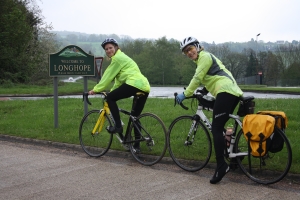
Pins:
x,y
101,119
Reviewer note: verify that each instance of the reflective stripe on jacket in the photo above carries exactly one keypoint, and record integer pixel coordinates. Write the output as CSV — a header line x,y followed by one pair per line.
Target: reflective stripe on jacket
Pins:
x,y
212,73
122,69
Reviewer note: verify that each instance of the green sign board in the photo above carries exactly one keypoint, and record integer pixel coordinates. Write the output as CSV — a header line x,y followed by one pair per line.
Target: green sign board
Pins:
x,y
71,60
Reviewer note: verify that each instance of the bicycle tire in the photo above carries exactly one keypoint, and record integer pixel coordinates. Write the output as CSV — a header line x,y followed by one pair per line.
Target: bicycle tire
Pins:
x,y
97,144
191,157
275,166
154,139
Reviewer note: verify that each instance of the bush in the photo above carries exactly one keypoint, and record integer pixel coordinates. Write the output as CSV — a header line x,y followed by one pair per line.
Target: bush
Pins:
x,y
6,83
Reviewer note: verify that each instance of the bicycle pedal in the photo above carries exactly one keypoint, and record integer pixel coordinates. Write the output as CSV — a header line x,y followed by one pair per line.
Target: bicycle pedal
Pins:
x,y
136,151
151,143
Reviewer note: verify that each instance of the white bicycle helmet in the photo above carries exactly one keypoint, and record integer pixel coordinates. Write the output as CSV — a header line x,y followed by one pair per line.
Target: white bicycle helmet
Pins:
x,y
190,41
109,40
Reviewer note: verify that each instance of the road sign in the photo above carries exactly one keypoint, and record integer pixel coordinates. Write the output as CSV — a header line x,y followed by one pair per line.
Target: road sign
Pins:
x,y
98,61
71,60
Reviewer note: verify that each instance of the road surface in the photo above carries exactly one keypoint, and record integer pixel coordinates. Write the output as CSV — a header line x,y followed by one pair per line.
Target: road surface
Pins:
x,y
32,169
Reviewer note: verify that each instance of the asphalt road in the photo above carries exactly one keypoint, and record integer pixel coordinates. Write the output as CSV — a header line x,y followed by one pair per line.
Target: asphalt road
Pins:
x,y
32,169
165,92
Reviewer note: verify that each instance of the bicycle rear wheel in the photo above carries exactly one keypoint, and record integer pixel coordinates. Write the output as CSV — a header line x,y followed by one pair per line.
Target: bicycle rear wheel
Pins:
x,y
153,136
96,144
268,169
189,154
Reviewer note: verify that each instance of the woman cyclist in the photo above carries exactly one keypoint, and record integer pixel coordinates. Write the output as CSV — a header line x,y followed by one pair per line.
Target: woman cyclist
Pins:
x,y
128,80
220,83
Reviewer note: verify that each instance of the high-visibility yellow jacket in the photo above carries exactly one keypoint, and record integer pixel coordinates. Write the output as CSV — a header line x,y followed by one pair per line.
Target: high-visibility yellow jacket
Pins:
x,y
122,69
212,73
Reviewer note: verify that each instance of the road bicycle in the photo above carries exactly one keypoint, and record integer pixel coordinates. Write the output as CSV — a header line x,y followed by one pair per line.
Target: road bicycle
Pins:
x,y
190,145
146,131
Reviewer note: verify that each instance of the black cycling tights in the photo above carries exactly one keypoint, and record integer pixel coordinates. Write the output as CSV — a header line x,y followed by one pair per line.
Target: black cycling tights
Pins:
x,y
122,92
224,105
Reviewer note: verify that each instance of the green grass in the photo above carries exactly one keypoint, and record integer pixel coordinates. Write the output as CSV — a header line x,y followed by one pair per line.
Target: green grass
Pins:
x,y
64,88
264,88
35,119
77,87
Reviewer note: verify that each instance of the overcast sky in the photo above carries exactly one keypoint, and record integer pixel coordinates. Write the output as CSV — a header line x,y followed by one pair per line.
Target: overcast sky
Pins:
x,y
208,20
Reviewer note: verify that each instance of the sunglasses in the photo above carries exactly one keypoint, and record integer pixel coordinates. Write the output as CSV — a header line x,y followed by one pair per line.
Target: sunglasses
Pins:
x,y
188,48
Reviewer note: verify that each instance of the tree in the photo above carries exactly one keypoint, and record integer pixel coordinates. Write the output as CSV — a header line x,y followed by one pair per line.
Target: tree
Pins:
x,y
291,76
288,53
221,51
40,60
25,41
93,38
162,62
273,69
251,67
162,55
73,38
15,36
236,63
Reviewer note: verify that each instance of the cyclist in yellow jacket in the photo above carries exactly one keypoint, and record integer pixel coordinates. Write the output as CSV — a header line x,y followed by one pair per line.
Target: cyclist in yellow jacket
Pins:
x,y
128,80
220,83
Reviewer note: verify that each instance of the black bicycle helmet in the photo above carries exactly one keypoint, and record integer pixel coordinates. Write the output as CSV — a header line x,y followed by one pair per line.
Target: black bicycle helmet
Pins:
x,y
109,40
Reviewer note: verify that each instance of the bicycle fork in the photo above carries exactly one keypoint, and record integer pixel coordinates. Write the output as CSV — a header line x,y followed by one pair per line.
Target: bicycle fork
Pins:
x,y
192,131
99,124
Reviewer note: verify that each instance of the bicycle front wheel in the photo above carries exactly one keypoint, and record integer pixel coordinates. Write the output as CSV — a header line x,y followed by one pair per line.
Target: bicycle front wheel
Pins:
x,y
94,144
267,169
193,153
152,136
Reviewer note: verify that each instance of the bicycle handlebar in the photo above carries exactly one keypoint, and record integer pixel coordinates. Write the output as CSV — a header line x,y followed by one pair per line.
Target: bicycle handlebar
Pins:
x,y
85,96
196,95
181,104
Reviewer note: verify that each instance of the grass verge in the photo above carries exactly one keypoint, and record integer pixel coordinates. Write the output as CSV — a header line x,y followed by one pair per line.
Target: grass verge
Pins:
x,y
35,118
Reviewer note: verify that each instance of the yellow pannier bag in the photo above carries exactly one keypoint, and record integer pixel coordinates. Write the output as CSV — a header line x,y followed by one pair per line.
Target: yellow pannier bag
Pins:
x,y
257,129
277,141
282,123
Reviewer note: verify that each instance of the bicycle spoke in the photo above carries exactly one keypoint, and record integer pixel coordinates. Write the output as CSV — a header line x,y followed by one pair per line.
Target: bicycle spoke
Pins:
x,y
152,134
268,169
193,152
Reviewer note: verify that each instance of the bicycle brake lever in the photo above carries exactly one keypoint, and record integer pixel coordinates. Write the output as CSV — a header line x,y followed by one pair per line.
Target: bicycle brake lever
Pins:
x,y
175,94
183,106
85,96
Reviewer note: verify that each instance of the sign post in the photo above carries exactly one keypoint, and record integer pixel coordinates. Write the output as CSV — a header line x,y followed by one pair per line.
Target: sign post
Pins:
x,y
70,61
260,77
